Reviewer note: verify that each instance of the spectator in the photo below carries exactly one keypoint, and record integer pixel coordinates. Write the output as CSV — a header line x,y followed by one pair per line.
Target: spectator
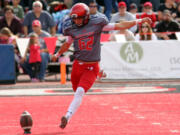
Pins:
x,y
7,37
34,56
147,12
93,7
81,1
167,27
1,8
133,9
177,1
37,28
109,5
59,11
177,14
145,33
137,2
123,14
68,3
168,5
24,4
43,16
6,2
44,4
18,10
5,33
11,21
56,6
155,4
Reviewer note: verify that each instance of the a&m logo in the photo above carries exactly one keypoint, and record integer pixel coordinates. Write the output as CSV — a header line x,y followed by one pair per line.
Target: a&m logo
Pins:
x,y
131,52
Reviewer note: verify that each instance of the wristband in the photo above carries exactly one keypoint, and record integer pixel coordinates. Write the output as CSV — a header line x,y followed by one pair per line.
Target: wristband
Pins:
x,y
138,21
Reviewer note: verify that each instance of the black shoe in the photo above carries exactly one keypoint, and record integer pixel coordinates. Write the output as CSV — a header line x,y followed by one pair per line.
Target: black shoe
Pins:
x,y
64,122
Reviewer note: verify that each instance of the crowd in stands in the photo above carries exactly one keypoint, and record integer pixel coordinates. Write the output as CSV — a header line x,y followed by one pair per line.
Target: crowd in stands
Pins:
x,y
45,57
43,18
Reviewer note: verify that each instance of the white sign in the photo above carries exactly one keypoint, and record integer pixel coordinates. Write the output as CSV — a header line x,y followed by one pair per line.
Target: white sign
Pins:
x,y
120,38
22,44
141,60
178,35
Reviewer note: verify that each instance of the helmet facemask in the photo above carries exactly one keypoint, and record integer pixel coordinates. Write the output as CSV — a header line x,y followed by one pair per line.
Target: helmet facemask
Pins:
x,y
81,19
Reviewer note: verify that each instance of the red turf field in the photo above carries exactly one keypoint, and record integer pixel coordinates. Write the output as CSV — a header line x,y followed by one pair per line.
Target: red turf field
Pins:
x,y
124,114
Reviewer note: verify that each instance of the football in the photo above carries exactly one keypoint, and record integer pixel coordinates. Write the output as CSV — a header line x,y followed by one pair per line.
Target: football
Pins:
x,y
26,122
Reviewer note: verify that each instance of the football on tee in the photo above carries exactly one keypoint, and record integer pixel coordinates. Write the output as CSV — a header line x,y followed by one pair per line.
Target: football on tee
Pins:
x,y
26,122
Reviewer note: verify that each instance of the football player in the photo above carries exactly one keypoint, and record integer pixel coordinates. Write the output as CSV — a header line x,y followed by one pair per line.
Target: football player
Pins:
x,y
84,32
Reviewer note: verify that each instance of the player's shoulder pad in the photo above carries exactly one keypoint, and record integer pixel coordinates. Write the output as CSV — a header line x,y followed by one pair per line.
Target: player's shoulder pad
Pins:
x,y
99,18
67,23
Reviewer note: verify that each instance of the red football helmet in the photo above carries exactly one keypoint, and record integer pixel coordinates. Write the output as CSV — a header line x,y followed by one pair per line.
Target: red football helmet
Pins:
x,y
80,10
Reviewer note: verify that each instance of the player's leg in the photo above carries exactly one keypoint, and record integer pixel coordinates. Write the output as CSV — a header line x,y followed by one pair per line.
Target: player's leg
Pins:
x,y
79,92
73,106
76,72
87,78
76,102
86,81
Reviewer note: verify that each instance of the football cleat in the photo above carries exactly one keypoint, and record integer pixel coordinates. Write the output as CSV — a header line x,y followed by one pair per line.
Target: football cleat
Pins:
x,y
64,122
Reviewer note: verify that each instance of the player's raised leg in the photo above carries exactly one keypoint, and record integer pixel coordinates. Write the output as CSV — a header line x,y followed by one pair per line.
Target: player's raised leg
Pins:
x,y
86,81
73,106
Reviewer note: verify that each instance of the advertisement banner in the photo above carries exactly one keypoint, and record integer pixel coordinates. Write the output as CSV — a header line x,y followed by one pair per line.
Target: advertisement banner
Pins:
x,y
141,60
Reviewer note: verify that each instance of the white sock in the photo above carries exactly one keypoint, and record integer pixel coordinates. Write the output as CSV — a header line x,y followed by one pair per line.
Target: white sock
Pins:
x,y
75,103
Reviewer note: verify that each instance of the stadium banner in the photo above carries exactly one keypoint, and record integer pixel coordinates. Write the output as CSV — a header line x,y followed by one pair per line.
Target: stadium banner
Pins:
x,y
141,60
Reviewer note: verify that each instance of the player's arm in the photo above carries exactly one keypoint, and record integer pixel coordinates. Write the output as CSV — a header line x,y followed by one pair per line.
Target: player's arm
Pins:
x,y
125,24
129,24
65,46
